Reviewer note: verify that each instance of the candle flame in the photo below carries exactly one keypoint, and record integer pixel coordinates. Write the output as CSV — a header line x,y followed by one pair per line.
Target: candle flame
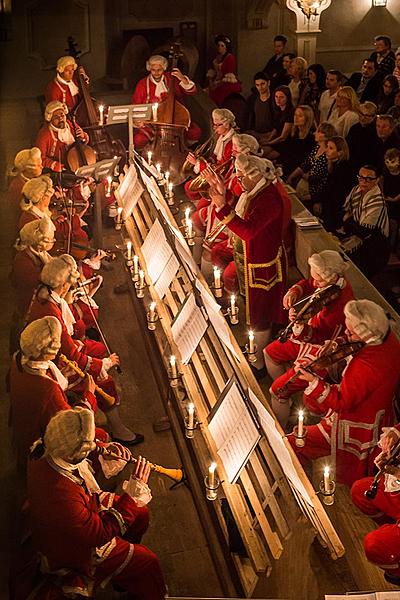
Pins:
x,y
212,467
141,273
191,407
158,167
170,186
172,360
251,335
109,179
128,244
326,471
119,210
135,258
233,298
101,107
217,271
166,174
153,305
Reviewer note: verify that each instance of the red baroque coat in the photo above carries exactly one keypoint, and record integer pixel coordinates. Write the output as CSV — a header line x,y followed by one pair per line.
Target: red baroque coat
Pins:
x,y
145,90
56,90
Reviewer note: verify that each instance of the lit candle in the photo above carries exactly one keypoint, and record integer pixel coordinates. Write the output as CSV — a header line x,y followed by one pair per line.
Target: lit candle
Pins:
x,y
141,278
189,229
251,342
101,112
190,415
152,311
129,250
119,215
158,167
170,189
172,364
149,155
327,480
135,265
300,424
187,216
211,475
154,109
166,175
233,305
109,182
217,277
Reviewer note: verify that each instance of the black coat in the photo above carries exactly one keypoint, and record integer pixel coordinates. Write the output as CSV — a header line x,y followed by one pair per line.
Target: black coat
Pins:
x,y
372,88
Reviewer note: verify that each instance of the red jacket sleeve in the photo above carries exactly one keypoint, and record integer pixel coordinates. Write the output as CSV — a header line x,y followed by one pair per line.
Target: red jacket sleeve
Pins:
x,y
42,142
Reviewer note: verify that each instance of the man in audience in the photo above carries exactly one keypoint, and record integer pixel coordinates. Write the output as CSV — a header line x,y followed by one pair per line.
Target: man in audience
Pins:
x,y
258,116
367,83
387,134
327,101
383,55
362,139
274,66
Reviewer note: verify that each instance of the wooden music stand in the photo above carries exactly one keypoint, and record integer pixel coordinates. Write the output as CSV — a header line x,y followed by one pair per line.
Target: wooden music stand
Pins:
x,y
128,113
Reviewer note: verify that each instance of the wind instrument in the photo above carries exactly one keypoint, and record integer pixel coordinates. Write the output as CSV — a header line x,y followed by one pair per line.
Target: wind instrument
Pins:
x,y
201,152
214,233
174,474
109,400
200,184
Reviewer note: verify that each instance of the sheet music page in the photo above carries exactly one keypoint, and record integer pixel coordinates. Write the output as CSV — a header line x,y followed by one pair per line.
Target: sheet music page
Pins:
x,y
130,191
234,431
156,251
218,321
155,194
183,249
387,595
281,452
167,275
188,328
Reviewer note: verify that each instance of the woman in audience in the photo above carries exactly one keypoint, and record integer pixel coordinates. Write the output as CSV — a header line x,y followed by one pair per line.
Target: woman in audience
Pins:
x,y
282,119
396,71
312,174
284,77
387,94
338,184
395,110
345,114
297,71
314,86
294,150
222,77
390,185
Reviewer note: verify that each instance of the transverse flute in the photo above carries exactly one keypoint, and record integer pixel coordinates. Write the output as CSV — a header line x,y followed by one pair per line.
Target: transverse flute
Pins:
x,y
109,400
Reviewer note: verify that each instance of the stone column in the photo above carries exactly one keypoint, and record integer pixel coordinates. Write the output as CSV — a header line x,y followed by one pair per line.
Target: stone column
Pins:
x,y
307,26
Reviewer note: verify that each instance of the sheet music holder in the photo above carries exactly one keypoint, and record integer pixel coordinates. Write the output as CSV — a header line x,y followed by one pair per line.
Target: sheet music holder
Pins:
x,y
188,328
128,113
129,191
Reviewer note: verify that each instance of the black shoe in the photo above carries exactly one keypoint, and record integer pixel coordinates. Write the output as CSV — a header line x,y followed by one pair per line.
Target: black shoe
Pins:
x,y
259,373
121,288
393,579
138,439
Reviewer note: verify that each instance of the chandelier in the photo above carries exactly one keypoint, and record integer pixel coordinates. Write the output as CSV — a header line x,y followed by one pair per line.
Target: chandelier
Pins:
x,y
309,7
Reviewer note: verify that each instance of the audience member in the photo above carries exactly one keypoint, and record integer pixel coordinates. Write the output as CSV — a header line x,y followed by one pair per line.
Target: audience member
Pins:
x,y
362,139
395,110
274,66
333,81
390,184
258,113
383,55
283,78
297,72
282,120
297,146
314,86
222,77
387,134
345,113
366,83
387,94
396,70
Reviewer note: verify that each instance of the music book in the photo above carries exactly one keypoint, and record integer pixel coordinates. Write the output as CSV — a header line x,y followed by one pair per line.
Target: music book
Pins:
x,y
99,170
129,191
188,328
233,429
162,264
120,114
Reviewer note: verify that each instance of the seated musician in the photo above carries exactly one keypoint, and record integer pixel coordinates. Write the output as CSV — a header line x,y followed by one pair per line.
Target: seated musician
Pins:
x,y
224,125
257,223
87,537
57,276
64,87
354,412
382,546
57,136
27,164
154,88
326,268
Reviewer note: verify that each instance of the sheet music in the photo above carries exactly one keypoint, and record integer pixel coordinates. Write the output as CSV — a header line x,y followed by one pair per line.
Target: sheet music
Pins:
x,y
233,430
165,279
159,257
274,438
183,249
155,194
130,191
99,170
218,321
188,328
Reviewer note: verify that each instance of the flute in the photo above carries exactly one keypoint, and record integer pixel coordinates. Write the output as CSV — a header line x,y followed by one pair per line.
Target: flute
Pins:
x,y
175,474
109,400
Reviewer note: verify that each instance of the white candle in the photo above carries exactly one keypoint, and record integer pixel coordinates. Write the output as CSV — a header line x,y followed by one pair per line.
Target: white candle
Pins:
x,y
190,415
101,112
166,175
109,182
170,189
300,424
217,277
129,250
172,364
187,216
158,167
119,215
135,265
149,155
211,475
154,109
152,311
141,278
233,305
251,342
327,480
189,228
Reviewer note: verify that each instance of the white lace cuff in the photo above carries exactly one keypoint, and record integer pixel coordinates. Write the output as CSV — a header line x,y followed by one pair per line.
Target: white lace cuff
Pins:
x,y
138,491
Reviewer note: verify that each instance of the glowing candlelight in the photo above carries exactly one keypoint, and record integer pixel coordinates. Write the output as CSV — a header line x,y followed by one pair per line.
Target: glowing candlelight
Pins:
x,y
135,264
300,424
119,215
217,277
166,175
170,189
152,311
327,480
190,415
211,475
149,155
187,216
154,109
109,182
233,305
172,364
251,342
129,250
101,112
158,167
189,229
141,278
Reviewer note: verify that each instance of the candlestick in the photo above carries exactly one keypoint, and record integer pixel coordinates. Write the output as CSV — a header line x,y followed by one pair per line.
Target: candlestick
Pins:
x,y
149,155
212,482
101,115
187,216
233,311
135,274
129,250
190,415
118,218
190,233
109,182
327,488
211,474
299,432
251,348
140,285
152,317
154,109
173,371
170,194
327,480
159,174
300,423
218,287
251,342
166,177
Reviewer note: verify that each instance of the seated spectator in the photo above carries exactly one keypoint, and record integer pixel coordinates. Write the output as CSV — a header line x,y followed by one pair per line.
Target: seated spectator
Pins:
x,y
294,150
366,224
314,86
282,120
274,66
366,83
338,184
283,78
362,139
333,81
396,71
387,93
383,55
297,71
390,184
222,77
312,174
258,114
395,110
387,134
345,113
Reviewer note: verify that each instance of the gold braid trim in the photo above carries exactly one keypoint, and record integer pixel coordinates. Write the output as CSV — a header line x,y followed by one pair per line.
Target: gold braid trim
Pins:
x,y
229,218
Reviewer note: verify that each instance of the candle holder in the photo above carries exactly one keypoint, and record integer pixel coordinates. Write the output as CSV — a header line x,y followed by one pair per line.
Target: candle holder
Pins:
x,y
118,220
140,287
212,490
251,356
218,290
300,440
129,261
152,320
190,237
328,497
233,315
174,377
189,431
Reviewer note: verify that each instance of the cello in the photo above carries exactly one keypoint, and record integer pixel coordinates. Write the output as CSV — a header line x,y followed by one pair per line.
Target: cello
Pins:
x,y
173,120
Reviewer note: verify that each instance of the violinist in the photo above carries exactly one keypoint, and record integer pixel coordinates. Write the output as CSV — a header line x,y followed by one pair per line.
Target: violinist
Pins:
x,y
326,269
57,136
64,87
27,164
154,88
353,412
382,546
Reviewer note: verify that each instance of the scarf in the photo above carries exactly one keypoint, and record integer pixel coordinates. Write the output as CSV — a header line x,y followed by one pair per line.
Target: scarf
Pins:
x,y
81,472
44,365
66,312
368,210
221,142
39,213
73,88
242,203
43,255
161,88
64,135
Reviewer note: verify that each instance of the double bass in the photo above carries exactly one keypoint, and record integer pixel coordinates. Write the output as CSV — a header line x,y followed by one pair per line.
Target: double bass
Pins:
x,y
173,120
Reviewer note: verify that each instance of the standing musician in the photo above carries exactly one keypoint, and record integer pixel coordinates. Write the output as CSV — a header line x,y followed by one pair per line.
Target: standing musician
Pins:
x,y
382,546
259,255
57,276
64,87
326,268
87,537
154,88
57,136
354,412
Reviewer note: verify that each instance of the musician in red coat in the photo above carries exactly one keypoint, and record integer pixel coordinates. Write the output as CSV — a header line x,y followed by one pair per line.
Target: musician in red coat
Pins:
x,y
354,412
86,535
326,268
64,87
154,88
382,545
57,136
259,253
27,164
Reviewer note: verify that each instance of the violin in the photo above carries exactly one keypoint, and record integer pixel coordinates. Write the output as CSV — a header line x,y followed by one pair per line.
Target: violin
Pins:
x,y
391,461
